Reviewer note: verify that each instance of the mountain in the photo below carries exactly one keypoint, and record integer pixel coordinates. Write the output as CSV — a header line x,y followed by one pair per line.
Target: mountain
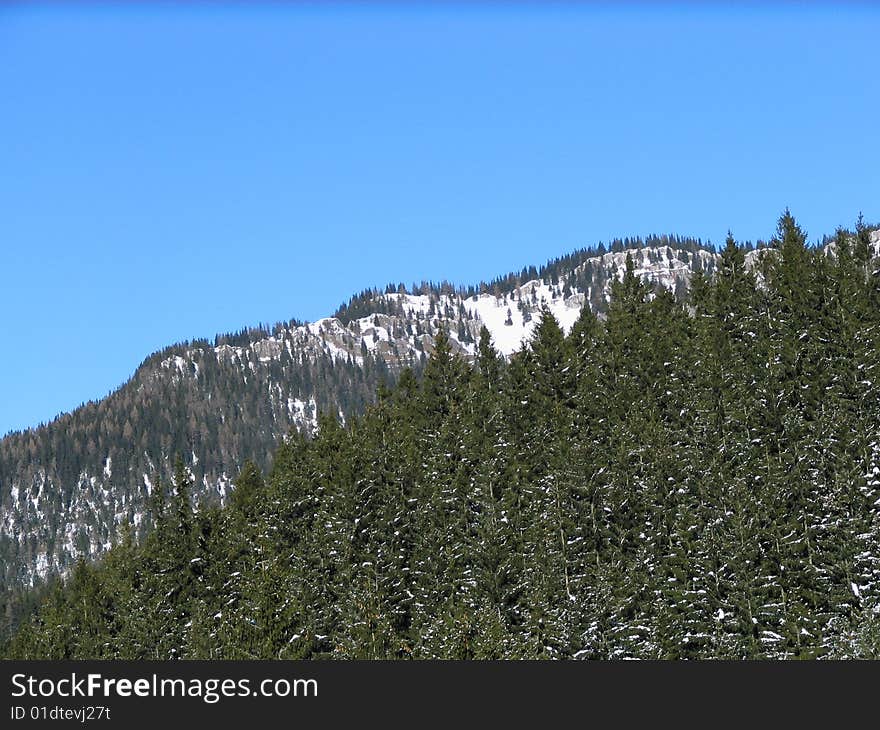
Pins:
x,y
69,488
675,479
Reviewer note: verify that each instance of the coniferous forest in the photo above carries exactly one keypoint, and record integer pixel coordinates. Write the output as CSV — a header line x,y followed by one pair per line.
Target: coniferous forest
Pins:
x,y
682,478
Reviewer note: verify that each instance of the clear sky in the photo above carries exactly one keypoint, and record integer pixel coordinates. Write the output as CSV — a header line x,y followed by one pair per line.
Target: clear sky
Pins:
x,y
174,171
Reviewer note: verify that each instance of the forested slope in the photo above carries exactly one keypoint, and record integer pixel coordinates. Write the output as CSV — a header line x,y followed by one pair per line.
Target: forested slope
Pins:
x,y
678,479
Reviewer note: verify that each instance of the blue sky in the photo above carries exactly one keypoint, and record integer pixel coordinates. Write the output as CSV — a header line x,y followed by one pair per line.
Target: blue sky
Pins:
x,y
175,171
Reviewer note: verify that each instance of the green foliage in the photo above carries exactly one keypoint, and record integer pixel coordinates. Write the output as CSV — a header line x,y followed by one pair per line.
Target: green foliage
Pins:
x,y
679,479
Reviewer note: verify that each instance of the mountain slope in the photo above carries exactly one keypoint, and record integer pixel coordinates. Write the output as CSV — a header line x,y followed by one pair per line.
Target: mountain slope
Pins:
x,y
68,488
675,480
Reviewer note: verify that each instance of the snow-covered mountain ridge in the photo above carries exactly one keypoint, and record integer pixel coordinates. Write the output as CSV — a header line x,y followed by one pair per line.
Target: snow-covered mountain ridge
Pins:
x,y
401,338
